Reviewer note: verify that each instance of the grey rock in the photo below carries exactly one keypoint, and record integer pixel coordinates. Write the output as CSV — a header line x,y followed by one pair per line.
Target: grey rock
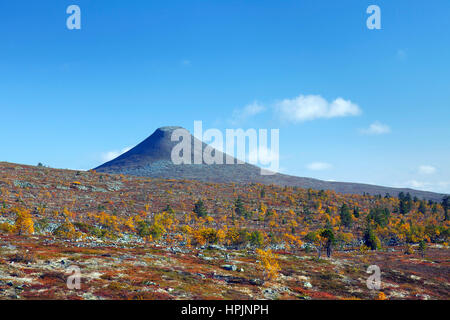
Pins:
x,y
257,282
23,184
216,247
229,267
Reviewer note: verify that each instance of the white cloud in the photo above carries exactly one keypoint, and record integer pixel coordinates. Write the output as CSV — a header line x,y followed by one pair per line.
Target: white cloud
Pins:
x,y
435,186
427,169
248,111
110,155
310,107
319,166
377,128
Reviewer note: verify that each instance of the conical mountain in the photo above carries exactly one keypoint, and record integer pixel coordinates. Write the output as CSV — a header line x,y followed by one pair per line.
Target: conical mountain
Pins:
x,y
152,158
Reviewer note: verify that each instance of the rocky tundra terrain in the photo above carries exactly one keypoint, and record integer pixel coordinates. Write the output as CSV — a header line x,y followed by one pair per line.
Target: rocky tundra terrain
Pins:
x,y
149,238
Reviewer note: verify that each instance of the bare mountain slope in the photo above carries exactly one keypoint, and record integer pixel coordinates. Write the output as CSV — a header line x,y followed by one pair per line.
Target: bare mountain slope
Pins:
x,y
152,158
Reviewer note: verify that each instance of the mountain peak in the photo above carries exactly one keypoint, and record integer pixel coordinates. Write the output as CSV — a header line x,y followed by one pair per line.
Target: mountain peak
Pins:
x,y
155,150
169,128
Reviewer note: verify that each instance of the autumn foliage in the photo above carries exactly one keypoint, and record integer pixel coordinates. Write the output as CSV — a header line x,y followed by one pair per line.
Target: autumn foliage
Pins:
x,y
268,261
24,223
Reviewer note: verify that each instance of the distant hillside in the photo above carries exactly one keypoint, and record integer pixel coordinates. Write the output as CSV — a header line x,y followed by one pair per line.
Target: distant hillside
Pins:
x,y
152,158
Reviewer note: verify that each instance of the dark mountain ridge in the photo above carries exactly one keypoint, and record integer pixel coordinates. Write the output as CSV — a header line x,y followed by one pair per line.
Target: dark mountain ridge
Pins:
x,y
152,158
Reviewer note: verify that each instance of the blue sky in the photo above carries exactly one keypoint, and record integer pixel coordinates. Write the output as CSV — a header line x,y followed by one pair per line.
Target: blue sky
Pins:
x,y
71,98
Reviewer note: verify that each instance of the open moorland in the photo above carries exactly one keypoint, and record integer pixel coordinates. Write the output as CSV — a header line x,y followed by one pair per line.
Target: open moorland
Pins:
x,y
143,238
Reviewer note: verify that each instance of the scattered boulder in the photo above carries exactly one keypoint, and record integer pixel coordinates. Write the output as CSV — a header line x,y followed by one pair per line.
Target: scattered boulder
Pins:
x,y
256,282
216,247
229,267
23,184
